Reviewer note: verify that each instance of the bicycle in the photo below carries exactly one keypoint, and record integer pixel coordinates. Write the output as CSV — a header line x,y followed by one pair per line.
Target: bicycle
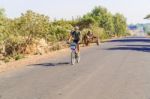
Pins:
x,y
75,56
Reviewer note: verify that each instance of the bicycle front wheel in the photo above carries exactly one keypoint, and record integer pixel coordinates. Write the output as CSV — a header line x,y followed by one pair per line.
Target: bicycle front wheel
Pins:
x,y
77,58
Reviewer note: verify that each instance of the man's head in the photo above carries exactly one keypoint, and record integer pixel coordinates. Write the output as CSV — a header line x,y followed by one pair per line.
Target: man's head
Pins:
x,y
76,28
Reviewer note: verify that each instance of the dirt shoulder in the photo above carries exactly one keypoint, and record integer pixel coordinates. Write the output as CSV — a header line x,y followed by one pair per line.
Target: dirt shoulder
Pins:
x,y
31,60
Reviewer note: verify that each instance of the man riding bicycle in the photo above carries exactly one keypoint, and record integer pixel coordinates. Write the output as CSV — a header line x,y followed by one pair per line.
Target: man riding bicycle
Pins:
x,y
75,36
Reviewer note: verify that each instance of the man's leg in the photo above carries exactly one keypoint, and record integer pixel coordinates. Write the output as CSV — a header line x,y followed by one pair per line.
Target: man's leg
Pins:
x,y
78,48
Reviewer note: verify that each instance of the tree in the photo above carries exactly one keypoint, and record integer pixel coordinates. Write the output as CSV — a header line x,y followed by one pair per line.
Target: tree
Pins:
x,y
33,25
86,22
104,18
120,24
107,23
22,31
101,17
59,30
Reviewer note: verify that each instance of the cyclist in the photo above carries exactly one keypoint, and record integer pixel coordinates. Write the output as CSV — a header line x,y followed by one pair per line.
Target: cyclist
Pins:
x,y
75,35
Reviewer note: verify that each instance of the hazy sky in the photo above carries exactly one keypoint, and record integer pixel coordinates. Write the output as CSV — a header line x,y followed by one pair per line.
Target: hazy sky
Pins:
x,y
134,10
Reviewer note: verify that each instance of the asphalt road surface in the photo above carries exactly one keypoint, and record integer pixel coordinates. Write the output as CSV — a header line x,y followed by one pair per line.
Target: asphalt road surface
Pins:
x,y
119,69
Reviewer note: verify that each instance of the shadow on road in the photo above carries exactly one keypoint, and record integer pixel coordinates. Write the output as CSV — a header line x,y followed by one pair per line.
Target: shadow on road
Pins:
x,y
132,39
51,64
137,48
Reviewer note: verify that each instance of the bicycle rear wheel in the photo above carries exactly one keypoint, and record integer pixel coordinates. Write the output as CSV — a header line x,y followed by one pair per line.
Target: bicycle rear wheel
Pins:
x,y
73,58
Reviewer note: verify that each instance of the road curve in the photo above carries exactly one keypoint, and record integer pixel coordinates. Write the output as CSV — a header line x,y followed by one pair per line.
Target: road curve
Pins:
x,y
119,69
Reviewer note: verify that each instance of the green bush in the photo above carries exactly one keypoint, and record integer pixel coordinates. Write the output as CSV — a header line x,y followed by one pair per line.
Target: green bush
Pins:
x,y
18,56
14,44
57,33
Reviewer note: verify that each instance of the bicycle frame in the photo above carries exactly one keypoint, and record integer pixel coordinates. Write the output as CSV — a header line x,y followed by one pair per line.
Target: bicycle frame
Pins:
x,y
74,58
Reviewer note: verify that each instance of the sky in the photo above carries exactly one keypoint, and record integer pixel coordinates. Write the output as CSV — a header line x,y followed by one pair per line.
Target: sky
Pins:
x,y
133,10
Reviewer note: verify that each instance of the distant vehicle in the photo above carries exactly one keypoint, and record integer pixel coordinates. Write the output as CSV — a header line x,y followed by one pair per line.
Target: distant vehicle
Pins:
x,y
87,39
132,27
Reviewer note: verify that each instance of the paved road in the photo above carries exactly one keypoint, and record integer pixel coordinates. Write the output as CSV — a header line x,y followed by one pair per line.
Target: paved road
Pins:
x,y
119,69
